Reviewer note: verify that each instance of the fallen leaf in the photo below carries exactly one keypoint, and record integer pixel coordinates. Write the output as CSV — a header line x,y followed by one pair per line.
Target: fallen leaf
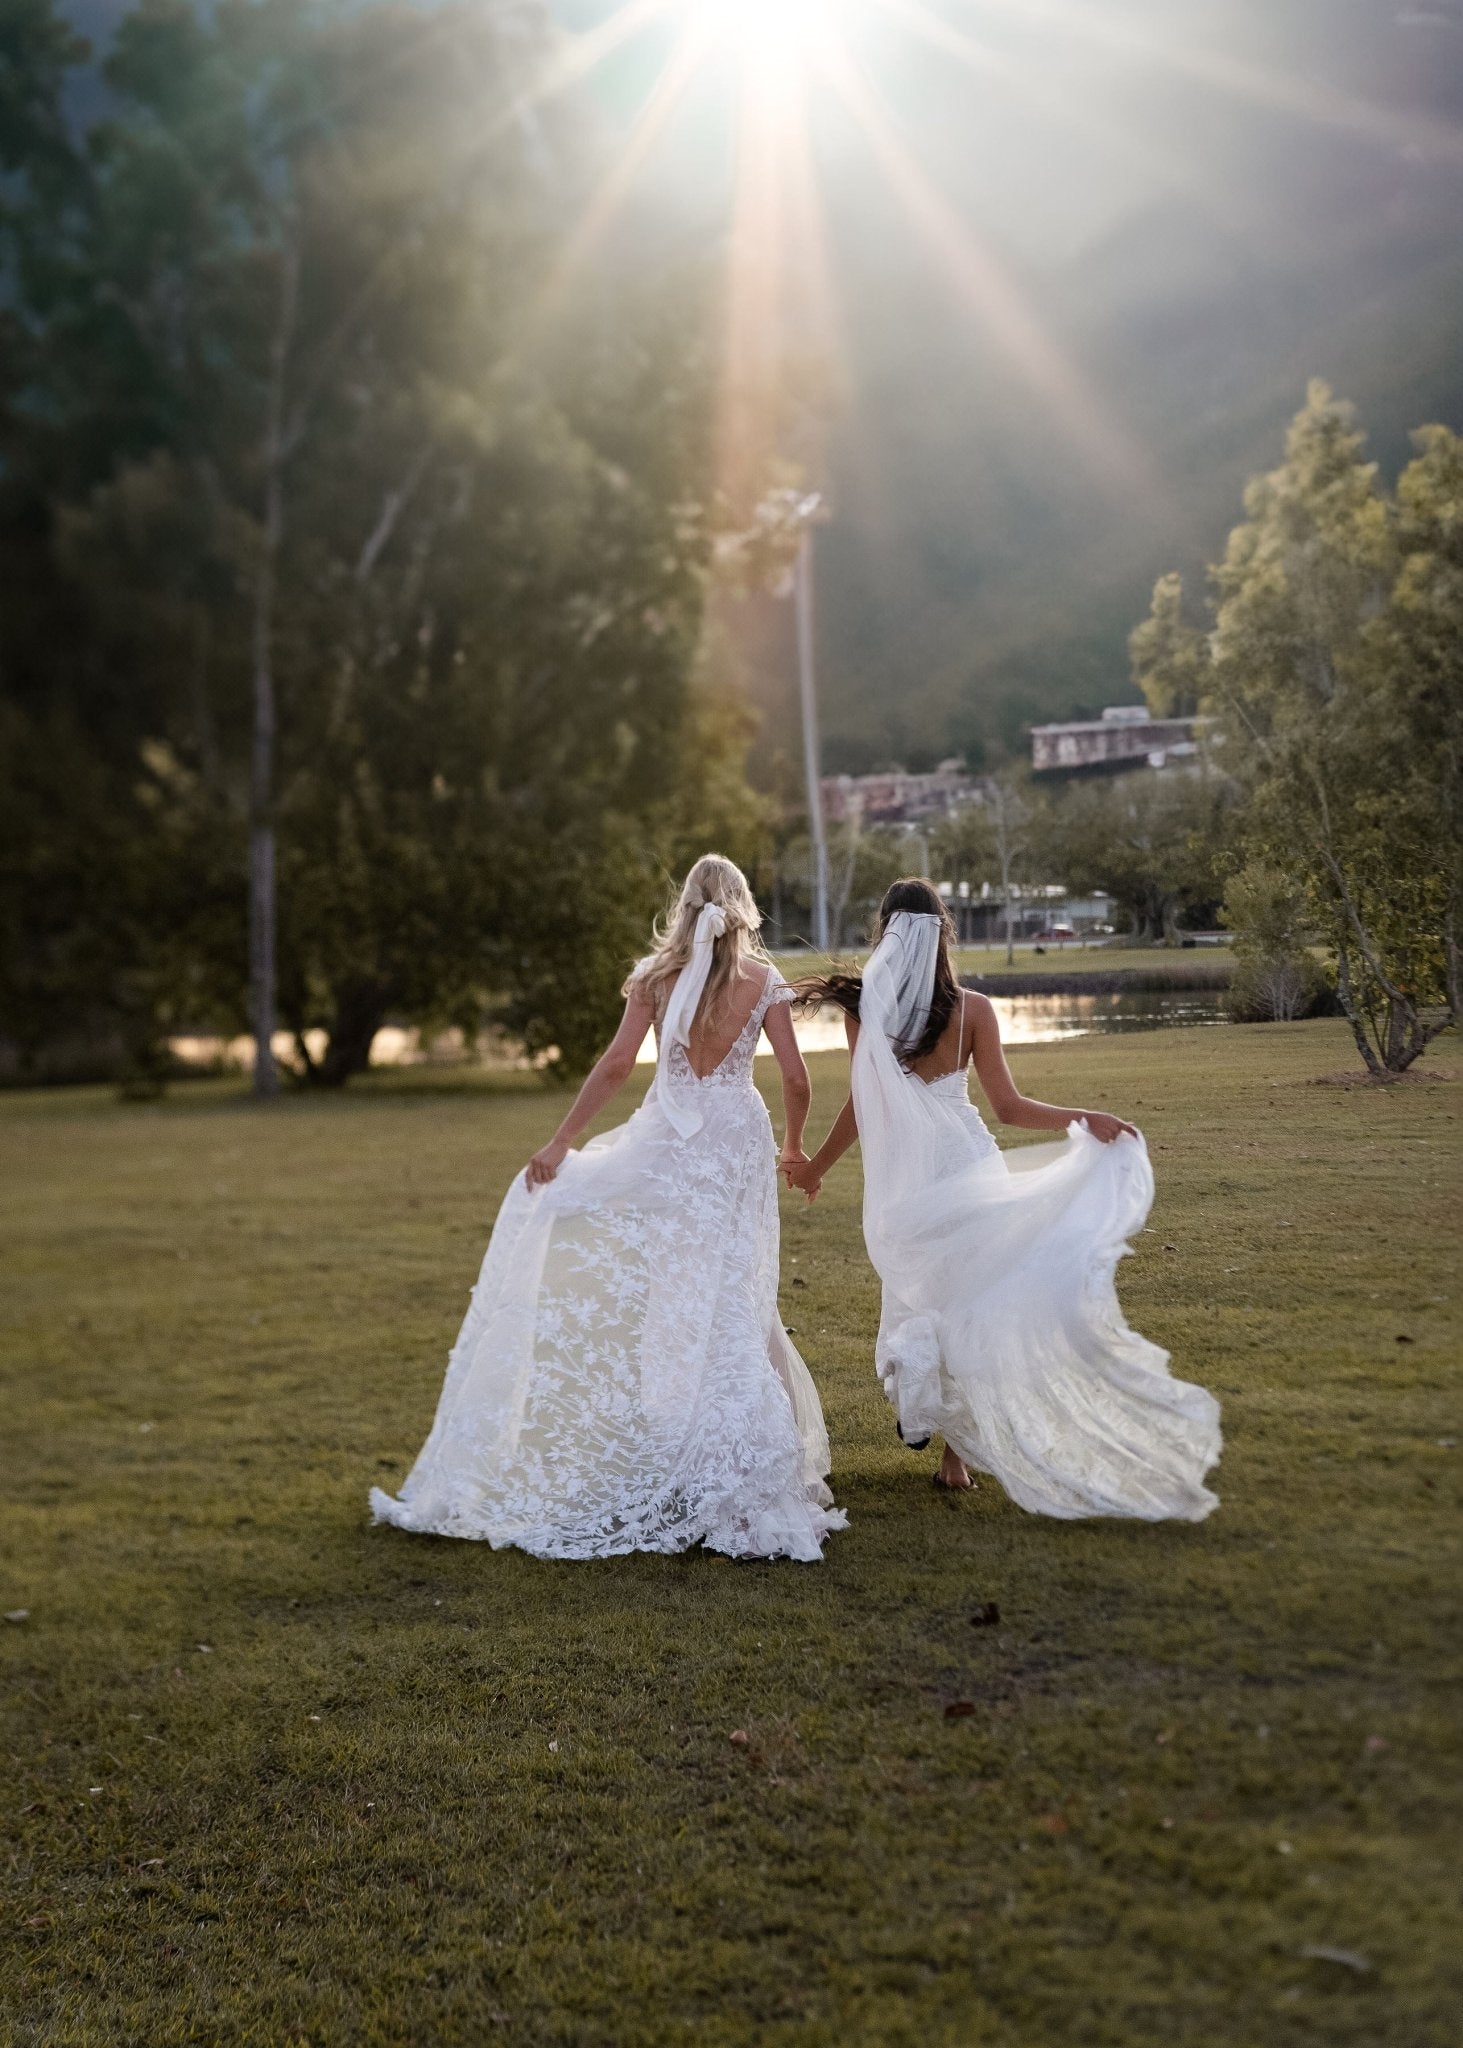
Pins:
x,y
739,1738
1320,1952
1284,1849
959,1710
553,1749
1403,1338
1055,1824
798,1280
18,1614
206,1648
987,1615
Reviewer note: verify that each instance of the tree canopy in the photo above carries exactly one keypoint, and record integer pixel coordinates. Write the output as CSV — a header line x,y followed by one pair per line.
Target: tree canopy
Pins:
x,y
1332,672
345,567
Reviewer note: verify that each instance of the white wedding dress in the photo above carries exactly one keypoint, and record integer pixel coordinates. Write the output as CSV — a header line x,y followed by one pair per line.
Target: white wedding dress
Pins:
x,y
1001,1328
623,1381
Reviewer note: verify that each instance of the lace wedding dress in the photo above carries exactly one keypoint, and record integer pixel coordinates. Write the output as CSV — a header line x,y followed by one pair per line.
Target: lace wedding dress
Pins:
x,y
623,1381
1001,1328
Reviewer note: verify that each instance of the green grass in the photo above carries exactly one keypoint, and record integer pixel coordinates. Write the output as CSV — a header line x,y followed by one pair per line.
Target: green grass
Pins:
x,y
413,1792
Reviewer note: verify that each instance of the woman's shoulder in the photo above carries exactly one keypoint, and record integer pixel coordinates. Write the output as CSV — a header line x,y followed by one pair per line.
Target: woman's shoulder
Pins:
x,y
641,983
978,1009
775,987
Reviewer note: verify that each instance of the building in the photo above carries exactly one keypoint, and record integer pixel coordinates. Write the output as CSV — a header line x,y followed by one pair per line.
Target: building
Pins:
x,y
1126,736
896,797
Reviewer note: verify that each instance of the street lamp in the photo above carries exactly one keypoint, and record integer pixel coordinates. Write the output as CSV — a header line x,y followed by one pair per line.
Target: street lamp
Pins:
x,y
808,696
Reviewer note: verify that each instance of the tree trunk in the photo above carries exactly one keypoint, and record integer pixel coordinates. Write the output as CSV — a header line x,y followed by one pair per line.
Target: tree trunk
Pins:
x,y
360,1011
262,922
1354,1018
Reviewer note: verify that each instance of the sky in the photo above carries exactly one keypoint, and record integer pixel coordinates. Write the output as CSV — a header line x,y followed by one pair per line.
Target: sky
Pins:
x,y
1059,271
1027,289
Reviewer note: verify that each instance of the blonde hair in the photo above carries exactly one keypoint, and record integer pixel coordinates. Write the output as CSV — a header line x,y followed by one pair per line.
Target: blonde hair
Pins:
x,y
714,879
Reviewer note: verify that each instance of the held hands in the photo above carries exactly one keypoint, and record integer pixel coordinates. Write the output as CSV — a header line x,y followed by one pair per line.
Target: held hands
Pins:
x,y
546,1162
1105,1127
799,1172
791,1162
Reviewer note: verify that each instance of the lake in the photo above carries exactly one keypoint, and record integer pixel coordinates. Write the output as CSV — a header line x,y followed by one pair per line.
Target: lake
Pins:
x,y
1039,1020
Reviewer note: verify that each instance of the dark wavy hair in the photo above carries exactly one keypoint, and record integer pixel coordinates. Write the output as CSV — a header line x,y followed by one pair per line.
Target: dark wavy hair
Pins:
x,y
844,985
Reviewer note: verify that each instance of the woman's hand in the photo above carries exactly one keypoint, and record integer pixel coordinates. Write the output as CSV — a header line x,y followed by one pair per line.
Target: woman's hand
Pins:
x,y
1105,1127
791,1163
806,1176
545,1164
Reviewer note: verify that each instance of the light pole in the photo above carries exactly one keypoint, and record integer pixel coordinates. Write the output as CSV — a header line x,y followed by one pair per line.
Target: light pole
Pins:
x,y
807,690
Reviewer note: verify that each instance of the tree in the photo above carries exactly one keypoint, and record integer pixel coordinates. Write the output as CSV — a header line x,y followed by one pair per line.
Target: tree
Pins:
x,y
1333,673
1153,841
1001,842
1169,656
1276,976
401,592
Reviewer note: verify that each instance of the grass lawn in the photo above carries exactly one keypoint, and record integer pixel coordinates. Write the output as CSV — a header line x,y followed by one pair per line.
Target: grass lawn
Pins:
x,y
272,1775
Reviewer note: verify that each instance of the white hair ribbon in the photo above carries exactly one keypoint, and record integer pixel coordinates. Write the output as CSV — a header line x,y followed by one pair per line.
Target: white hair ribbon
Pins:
x,y
680,1014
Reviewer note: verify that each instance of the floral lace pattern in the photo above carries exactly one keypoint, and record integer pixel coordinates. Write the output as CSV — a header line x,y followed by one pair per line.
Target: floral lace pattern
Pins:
x,y
622,1381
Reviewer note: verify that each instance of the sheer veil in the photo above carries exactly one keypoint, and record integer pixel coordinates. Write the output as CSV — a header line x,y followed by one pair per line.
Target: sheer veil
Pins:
x,y
898,1119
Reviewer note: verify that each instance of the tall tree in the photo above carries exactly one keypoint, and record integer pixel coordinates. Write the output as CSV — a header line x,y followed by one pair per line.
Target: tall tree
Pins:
x,y
1333,676
370,577
1169,656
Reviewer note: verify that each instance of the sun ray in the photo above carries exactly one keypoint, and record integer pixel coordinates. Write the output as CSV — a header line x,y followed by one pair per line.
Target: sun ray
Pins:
x,y
1062,109
1321,105
610,195
998,302
583,53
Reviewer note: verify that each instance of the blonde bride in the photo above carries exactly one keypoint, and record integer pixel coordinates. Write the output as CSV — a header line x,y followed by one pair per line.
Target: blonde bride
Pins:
x,y
622,1381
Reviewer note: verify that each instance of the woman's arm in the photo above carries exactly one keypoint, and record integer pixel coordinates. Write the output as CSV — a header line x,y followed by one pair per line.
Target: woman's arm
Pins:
x,y
797,1089
841,1135
603,1082
1006,1099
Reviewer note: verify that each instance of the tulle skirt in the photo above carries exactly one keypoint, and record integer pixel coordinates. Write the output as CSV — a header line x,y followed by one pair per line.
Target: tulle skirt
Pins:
x,y
1001,1328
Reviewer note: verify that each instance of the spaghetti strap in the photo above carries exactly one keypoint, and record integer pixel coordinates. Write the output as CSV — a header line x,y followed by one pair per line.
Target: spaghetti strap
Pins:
x,y
960,1042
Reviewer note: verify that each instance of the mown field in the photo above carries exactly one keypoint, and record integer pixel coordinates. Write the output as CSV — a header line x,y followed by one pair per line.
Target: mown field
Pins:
x,y
275,1776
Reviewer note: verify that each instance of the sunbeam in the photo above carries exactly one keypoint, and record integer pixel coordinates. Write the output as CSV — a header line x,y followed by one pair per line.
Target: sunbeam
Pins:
x,y
995,298
1320,105
666,96
1065,110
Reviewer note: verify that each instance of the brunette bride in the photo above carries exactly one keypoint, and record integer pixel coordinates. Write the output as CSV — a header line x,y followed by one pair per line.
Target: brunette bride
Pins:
x,y
622,1381
1001,1329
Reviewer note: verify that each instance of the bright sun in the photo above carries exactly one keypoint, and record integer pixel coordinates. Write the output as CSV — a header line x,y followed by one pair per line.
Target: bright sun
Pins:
x,y
771,35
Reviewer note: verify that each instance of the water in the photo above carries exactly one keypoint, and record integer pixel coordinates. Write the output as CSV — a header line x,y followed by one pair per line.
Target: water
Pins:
x,y
1025,1020
1037,1020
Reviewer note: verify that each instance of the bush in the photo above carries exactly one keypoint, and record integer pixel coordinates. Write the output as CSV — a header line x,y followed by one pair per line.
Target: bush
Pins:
x,y
1276,976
